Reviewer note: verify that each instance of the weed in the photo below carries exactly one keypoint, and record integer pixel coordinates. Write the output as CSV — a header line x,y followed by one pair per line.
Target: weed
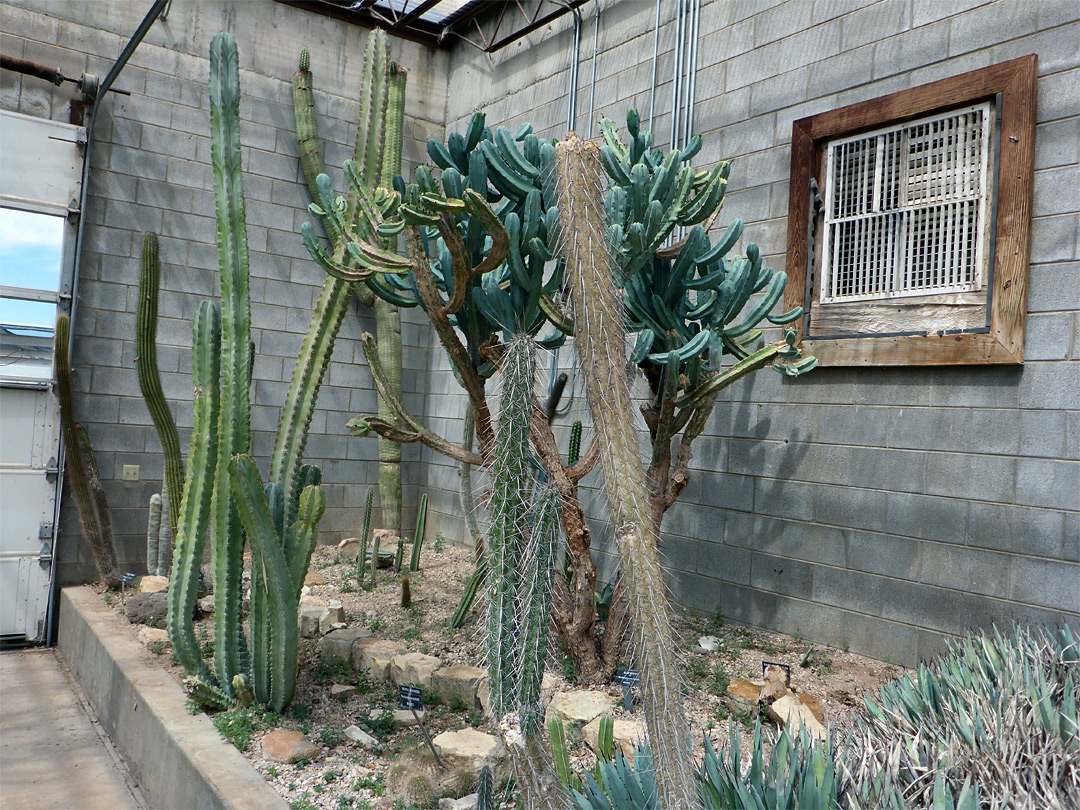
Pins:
x,y
364,684
717,618
412,634
318,789
438,543
272,771
569,671
699,668
332,736
719,681
157,647
376,624
380,723
417,614
330,776
240,724
846,645
458,705
303,803
302,763
346,585
292,786
372,783
301,711
823,667
332,669
474,720
108,597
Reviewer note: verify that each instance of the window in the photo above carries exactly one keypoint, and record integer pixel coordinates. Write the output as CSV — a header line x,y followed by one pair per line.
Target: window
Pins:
x,y
916,250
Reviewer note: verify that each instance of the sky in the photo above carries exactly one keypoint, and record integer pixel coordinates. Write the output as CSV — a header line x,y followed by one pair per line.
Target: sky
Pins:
x,y
30,251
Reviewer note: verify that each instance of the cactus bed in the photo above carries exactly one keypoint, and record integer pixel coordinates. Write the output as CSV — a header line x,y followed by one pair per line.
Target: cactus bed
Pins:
x,y
344,773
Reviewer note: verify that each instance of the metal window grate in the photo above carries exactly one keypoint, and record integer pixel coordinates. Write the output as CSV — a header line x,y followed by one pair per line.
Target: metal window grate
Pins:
x,y
906,208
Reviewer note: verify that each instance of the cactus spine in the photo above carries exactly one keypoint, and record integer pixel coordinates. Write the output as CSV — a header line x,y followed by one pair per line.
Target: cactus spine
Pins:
x,y
198,488
418,536
150,381
599,338
361,557
234,422
81,467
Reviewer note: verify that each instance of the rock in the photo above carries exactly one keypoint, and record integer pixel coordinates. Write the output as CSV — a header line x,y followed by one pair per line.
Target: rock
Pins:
x,y
153,584
403,718
483,694
549,684
789,710
333,614
308,600
314,578
361,737
371,615
742,696
309,621
349,548
374,654
457,682
147,608
625,734
414,668
579,707
814,705
709,643
342,691
288,746
206,604
150,635
470,749
464,803
339,643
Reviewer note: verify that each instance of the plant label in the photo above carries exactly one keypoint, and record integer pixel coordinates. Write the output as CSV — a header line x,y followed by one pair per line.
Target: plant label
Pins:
x,y
411,697
766,664
628,677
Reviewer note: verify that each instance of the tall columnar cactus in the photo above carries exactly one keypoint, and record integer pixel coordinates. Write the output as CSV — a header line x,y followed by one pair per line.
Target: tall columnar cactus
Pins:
x,y
198,489
150,381
81,468
361,556
418,535
511,488
600,343
234,422
377,154
159,537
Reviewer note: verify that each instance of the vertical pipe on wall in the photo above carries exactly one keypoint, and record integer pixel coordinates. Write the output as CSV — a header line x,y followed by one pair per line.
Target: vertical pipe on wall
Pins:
x,y
655,56
592,92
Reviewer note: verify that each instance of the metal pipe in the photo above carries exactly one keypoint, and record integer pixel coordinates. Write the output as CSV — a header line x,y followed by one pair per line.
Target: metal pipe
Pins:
x,y
571,115
655,56
94,99
691,93
28,68
676,75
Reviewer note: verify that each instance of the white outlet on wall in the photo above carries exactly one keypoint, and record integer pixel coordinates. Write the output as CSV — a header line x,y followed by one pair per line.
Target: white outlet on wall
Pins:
x,y
131,472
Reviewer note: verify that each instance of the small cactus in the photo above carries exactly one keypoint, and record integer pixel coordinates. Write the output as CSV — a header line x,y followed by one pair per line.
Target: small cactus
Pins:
x,y
361,556
418,537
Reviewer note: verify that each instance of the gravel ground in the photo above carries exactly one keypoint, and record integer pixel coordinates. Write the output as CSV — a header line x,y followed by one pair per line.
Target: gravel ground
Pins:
x,y
345,775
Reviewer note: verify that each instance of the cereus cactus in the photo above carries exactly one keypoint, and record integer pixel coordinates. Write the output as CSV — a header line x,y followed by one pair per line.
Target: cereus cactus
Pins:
x,y
146,319
198,490
418,535
361,556
158,537
81,467
281,553
377,155
600,343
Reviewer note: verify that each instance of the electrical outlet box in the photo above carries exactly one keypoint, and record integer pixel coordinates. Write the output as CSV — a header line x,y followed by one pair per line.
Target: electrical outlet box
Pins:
x,y
131,472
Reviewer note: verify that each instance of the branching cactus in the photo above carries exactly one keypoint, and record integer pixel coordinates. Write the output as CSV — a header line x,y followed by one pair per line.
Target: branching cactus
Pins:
x,y
600,343
150,384
377,155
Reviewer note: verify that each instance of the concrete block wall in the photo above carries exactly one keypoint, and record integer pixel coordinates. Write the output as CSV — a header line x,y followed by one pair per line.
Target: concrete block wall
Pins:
x,y
882,510
151,171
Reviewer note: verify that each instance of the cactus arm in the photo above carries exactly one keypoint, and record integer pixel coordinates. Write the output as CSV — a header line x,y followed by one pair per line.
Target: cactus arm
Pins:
x,y
308,373
375,96
150,380
165,540
471,587
538,565
388,353
307,131
234,430
404,425
374,559
281,598
301,537
81,470
198,488
459,355
468,507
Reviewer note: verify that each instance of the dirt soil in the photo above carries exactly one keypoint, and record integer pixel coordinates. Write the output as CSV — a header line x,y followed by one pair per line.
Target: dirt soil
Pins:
x,y
346,776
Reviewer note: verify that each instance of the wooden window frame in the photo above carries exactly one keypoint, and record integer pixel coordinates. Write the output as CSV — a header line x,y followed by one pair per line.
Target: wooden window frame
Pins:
x,y
1013,83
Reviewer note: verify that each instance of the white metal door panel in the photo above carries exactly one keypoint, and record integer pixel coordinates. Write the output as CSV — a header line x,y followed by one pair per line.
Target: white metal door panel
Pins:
x,y
28,438
39,165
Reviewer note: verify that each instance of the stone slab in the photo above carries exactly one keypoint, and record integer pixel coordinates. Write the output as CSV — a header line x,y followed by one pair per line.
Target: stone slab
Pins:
x,y
415,669
457,682
374,655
